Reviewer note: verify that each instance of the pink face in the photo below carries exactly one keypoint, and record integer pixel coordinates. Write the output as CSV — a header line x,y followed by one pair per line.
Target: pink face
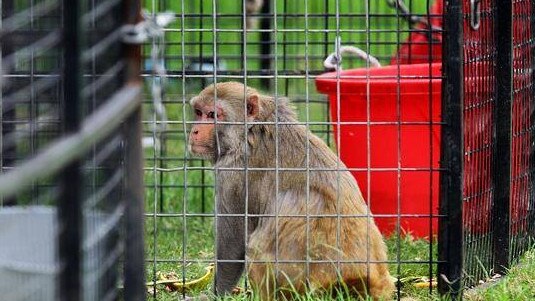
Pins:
x,y
201,139
202,142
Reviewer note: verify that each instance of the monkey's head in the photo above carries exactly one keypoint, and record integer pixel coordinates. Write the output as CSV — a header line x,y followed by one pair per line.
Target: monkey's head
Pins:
x,y
231,104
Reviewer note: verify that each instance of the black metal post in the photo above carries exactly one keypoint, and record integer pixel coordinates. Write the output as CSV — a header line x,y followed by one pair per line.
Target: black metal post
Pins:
x,y
265,39
8,117
134,264
450,241
502,112
134,270
326,44
70,202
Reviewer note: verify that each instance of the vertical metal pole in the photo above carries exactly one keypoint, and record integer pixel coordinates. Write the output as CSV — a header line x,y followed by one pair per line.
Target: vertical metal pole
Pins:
x,y
502,112
265,39
326,45
450,242
7,154
162,135
70,202
203,84
134,271
284,46
134,265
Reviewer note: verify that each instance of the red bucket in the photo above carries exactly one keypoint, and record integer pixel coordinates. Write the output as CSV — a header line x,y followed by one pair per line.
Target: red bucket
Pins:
x,y
414,143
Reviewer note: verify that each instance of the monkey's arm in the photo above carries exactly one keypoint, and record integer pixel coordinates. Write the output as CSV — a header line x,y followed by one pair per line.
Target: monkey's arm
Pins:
x,y
230,247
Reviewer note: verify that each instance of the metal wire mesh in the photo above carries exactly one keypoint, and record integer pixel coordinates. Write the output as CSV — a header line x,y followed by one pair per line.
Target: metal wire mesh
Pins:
x,y
30,67
282,55
280,48
53,128
479,99
522,206
498,96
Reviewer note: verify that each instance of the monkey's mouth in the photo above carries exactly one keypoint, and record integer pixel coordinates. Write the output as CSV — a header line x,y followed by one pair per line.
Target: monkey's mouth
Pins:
x,y
199,149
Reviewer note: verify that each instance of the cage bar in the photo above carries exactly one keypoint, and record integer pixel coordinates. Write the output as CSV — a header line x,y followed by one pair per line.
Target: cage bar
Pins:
x,y
134,258
70,206
69,87
450,255
503,113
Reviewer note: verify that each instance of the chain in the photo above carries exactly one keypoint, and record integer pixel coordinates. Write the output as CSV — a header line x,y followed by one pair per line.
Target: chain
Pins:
x,y
152,28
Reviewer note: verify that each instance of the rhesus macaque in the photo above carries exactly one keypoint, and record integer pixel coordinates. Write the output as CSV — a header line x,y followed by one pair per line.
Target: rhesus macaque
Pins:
x,y
297,237
252,7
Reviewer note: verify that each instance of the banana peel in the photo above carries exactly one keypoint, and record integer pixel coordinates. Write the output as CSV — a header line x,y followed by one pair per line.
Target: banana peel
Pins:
x,y
426,284
418,282
174,283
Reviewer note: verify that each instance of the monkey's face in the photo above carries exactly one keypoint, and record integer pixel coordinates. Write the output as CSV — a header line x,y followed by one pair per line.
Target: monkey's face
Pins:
x,y
229,107
202,142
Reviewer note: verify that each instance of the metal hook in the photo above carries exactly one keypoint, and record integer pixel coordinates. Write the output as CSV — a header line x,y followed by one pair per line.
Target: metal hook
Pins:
x,y
475,14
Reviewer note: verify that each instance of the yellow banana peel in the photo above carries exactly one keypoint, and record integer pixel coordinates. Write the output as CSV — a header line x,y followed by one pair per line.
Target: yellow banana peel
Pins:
x,y
174,283
425,284
417,281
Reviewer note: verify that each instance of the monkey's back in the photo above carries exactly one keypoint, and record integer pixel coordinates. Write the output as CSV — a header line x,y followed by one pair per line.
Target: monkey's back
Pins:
x,y
321,228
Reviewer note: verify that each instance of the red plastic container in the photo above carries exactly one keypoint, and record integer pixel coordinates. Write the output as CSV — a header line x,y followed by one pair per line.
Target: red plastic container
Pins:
x,y
412,145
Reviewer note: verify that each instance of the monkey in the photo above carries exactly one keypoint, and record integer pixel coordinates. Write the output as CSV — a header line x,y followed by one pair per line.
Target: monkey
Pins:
x,y
307,224
252,7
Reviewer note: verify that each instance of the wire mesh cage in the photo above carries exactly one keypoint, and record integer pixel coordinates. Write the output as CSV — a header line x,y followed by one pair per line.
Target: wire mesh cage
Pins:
x,y
68,184
406,170
396,128
479,102
522,219
489,208
493,239
279,48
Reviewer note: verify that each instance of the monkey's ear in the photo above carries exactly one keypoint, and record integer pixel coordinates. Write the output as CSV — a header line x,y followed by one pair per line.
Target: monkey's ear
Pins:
x,y
252,106
193,100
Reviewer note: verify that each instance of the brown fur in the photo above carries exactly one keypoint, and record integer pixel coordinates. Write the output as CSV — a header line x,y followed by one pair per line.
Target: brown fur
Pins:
x,y
273,240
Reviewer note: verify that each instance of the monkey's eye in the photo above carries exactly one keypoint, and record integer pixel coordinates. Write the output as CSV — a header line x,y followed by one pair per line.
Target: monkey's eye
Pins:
x,y
198,113
210,115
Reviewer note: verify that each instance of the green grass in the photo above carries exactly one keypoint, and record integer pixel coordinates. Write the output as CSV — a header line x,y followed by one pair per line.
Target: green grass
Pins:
x,y
199,238
519,284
